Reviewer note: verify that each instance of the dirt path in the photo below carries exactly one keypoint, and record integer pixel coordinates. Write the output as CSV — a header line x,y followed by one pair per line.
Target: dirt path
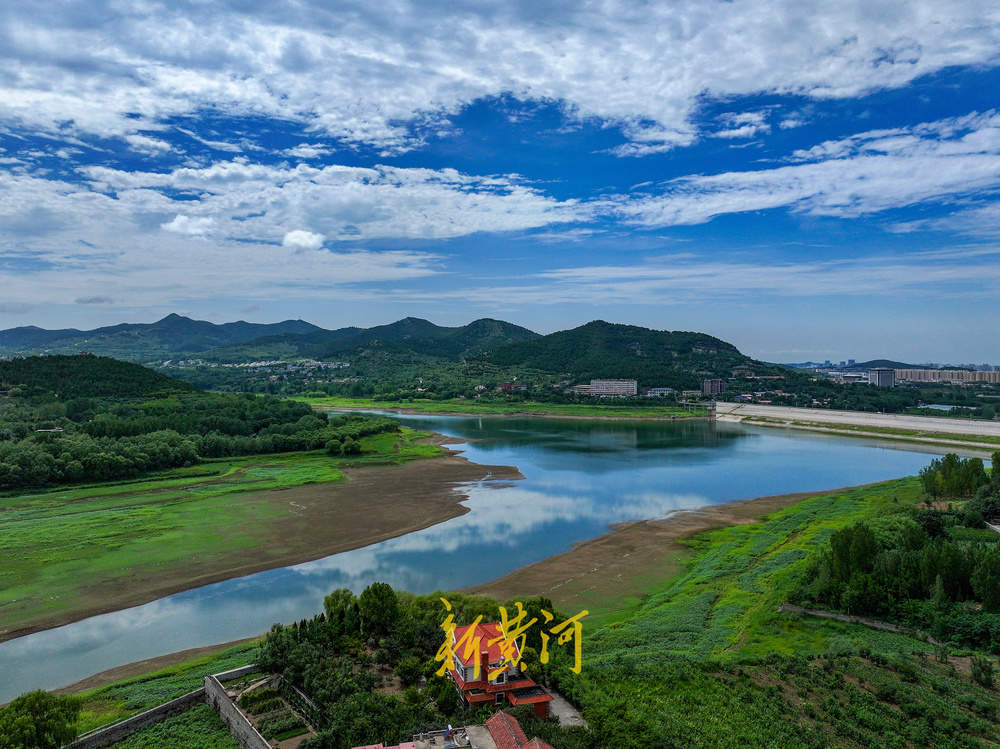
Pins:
x,y
863,620
314,521
626,562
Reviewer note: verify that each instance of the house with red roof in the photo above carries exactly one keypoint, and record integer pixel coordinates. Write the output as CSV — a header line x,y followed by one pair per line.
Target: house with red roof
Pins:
x,y
510,686
508,734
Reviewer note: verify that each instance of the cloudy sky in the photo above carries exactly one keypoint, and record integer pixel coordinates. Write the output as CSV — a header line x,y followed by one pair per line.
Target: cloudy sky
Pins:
x,y
806,180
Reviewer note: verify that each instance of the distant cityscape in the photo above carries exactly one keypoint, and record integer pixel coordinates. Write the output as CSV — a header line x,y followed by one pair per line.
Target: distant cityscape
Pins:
x,y
852,363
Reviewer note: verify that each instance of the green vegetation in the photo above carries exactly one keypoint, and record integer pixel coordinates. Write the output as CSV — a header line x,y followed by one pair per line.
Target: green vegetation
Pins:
x,y
58,544
84,376
46,439
644,410
123,699
707,659
198,728
931,568
38,720
414,358
951,476
341,658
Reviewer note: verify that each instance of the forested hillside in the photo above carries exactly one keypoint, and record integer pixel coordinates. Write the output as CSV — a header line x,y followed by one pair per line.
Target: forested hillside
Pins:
x,y
84,376
67,419
601,349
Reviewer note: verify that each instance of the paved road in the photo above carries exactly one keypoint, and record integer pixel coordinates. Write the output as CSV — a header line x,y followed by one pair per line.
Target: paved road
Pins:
x,y
859,418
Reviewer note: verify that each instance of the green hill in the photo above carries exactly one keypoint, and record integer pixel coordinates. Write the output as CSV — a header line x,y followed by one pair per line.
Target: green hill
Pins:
x,y
85,376
654,357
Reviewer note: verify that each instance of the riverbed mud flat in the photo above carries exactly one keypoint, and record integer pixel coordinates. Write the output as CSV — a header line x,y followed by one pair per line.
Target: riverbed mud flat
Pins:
x,y
629,560
313,521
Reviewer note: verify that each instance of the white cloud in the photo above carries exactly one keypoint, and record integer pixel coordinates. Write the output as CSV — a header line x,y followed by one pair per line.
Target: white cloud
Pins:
x,y
218,145
966,273
308,151
862,174
87,245
259,202
386,75
149,146
978,221
743,125
303,240
194,226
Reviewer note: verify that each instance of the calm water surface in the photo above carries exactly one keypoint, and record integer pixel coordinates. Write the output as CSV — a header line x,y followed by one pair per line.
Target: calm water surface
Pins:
x,y
580,476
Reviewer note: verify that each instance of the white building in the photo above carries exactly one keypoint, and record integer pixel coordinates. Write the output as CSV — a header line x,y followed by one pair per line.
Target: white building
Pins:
x,y
605,388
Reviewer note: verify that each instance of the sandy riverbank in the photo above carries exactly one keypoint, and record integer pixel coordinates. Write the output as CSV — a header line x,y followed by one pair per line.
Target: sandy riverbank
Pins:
x,y
313,521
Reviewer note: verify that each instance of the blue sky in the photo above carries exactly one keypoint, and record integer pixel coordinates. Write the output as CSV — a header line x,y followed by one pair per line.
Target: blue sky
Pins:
x,y
802,180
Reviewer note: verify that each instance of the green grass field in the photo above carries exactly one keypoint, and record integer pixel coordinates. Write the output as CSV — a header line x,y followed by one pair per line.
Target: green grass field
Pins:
x,y
62,548
456,406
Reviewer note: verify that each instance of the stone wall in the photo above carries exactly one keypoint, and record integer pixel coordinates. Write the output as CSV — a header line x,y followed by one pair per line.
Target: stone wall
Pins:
x,y
241,729
118,731
108,735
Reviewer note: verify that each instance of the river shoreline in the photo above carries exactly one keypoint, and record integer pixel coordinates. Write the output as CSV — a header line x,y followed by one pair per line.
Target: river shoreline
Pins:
x,y
617,560
513,414
373,504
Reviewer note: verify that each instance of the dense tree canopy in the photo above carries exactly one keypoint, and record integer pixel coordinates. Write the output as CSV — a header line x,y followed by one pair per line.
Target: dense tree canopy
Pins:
x,y
38,720
46,440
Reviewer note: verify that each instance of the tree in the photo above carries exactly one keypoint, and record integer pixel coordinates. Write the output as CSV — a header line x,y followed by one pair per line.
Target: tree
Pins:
x,y
982,671
341,609
986,582
39,720
409,670
379,609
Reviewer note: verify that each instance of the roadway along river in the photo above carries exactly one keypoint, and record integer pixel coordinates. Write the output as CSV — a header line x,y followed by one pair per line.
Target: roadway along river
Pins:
x,y
580,476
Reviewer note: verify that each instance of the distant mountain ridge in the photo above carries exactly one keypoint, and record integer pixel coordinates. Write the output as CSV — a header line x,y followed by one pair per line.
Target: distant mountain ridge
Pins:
x,y
172,336
413,333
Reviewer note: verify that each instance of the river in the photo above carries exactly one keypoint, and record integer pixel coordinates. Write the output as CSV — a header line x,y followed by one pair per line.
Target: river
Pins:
x,y
579,477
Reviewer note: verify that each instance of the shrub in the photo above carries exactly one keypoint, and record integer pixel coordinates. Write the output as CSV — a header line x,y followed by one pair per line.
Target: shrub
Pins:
x,y
982,671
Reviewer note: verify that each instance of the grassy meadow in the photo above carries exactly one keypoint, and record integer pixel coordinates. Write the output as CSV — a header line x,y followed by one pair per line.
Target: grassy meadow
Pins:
x,y
64,548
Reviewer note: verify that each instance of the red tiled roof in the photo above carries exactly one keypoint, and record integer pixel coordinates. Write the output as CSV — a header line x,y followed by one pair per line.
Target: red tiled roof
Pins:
x,y
506,731
537,743
487,631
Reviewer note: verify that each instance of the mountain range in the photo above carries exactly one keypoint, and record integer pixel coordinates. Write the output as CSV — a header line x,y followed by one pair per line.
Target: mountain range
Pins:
x,y
596,349
170,337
